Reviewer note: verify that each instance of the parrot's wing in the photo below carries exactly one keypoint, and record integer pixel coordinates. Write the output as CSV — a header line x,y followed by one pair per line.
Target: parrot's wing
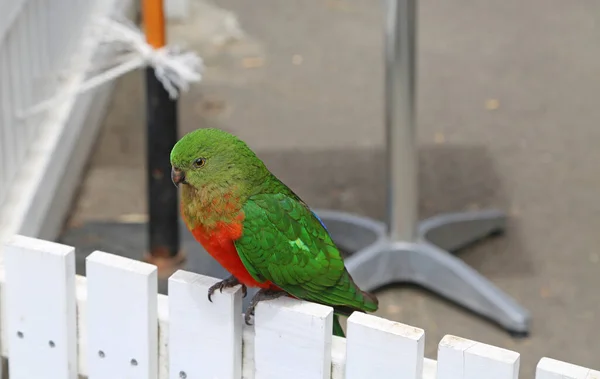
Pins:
x,y
285,243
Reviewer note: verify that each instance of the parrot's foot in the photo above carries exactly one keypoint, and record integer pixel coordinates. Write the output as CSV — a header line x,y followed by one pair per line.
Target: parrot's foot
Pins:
x,y
261,295
227,283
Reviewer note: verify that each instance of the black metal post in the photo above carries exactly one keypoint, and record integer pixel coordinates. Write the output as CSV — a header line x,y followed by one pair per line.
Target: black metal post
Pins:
x,y
161,135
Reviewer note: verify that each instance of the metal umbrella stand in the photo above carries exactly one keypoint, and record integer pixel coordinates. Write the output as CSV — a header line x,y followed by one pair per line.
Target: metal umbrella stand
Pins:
x,y
404,250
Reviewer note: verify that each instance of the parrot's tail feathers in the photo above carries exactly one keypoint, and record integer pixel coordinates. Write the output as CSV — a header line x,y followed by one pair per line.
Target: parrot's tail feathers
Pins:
x,y
337,327
371,303
360,300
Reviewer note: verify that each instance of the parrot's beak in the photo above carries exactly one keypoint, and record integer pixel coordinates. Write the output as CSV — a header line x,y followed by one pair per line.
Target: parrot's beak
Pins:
x,y
177,176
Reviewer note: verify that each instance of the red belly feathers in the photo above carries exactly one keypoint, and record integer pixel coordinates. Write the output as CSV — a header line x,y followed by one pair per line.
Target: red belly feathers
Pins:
x,y
218,242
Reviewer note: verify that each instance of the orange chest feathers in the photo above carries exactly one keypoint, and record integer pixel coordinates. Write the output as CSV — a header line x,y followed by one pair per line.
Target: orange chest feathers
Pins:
x,y
218,241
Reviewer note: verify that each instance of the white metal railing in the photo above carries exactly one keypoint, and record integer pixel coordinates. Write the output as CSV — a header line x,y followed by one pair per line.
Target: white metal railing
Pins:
x,y
37,41
113,324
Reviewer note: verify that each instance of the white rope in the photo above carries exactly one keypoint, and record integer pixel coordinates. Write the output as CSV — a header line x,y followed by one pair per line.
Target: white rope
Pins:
x,y
173,68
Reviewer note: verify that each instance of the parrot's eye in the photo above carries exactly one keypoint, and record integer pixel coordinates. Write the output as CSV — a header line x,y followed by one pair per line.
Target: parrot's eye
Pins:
x,y
199,162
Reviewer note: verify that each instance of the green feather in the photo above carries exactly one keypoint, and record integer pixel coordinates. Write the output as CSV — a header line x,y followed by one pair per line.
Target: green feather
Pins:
x,y
300,258
337,327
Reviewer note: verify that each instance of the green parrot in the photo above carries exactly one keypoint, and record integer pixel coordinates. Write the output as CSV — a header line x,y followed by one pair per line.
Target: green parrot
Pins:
x,y
257,228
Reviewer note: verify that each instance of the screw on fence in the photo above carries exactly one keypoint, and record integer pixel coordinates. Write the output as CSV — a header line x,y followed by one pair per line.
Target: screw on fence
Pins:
x,y
101,354
20,334
182,375
134,362
51,343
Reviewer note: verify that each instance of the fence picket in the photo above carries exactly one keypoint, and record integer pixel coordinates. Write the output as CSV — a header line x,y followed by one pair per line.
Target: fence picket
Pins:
x,y
380,348
292,339
82,336
163,336
459,358
40,309
122,321
338,357
450,357
548,368
205,338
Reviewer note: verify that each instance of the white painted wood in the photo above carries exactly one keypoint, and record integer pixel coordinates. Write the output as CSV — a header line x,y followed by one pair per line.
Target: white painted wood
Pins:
x,y
122,321
430,369
3,328
82,336
338,357
548,368
38,200
287,328
380,348
40,309
119,288
205,338
163,336
248,351
492,362
451,351
459,358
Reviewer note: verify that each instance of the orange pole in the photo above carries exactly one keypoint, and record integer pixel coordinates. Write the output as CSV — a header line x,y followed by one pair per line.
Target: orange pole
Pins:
x,y
161,136
154,22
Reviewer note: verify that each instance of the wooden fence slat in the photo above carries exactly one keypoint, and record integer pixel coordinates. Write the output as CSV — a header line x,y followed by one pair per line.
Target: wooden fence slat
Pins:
x,y
40,309
451,351
292,339
338,357
205,339
380,348
459,358
548,368
492,362
82,335
122,323
163,336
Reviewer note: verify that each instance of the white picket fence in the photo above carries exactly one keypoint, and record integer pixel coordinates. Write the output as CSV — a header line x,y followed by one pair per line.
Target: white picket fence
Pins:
x,y
45,50
37,37
112,324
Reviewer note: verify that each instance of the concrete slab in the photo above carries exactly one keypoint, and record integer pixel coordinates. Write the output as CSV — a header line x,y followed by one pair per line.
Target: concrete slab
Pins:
x,y
508,116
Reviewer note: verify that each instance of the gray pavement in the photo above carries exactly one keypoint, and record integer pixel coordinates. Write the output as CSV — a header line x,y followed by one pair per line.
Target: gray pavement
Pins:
x,y
508,117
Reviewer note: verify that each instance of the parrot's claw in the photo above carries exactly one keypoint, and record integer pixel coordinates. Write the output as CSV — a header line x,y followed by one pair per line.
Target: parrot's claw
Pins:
x,y
261,295
227,283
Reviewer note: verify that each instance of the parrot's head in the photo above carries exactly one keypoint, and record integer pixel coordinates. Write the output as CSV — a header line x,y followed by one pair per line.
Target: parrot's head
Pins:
x,y
212,157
